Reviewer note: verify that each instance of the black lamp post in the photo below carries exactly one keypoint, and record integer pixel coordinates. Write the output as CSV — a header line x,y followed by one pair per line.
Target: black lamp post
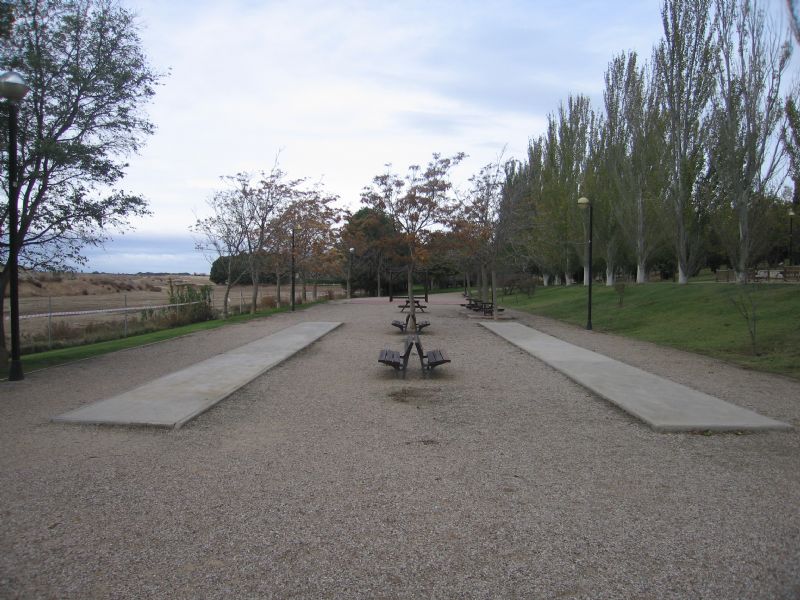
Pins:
x,y
791,216
350,270
586,203
13,90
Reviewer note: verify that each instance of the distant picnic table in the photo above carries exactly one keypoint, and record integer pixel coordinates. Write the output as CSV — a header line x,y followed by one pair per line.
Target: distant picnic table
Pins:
x,y
417,304
484,306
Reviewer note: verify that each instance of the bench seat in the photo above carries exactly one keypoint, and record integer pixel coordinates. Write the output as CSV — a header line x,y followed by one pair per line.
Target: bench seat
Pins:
x,y
393,358
434,358
402,326
431,359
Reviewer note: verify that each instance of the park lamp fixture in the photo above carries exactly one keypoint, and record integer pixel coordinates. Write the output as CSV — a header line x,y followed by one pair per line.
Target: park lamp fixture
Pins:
x,y
13,89
349,271
585,203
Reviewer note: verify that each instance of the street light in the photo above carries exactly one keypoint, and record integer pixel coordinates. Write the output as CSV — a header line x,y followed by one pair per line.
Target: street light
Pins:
x,y
586,203
13,89
791,216
350,270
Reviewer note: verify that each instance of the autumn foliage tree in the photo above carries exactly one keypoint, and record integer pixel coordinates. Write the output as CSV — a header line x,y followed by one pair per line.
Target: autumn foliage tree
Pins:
x,y
415,202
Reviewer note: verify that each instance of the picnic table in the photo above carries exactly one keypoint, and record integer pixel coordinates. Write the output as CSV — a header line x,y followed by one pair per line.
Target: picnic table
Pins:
x,y
417,304
484,306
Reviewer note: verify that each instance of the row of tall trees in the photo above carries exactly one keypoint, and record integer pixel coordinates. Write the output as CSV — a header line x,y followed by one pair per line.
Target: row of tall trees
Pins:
x,y
688,151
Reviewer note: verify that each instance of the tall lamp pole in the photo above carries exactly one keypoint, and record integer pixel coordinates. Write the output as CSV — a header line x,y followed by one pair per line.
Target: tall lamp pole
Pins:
x,y
586,203
791,216
350,270
13,89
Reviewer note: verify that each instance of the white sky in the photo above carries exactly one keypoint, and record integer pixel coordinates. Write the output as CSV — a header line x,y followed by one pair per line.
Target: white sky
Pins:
x,y
343,87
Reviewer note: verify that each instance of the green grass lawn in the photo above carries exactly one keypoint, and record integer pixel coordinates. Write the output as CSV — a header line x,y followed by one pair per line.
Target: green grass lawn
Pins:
x,y
41,360
698,317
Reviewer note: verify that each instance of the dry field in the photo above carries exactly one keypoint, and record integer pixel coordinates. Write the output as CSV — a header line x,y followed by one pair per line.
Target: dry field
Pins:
x,y
43,293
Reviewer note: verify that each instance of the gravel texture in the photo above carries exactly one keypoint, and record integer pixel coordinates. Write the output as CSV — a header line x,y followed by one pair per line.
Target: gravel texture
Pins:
x,y
330,477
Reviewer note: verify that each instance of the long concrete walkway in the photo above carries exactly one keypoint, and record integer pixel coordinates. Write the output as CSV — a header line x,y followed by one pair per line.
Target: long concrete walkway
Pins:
x,y
175,399
661,403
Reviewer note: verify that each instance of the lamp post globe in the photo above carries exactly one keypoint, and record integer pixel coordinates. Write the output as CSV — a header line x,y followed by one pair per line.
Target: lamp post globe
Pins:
x,y
585,203
350,271
13,89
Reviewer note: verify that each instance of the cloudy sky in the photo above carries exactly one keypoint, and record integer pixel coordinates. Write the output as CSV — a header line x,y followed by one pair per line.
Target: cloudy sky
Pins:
x,y
341,88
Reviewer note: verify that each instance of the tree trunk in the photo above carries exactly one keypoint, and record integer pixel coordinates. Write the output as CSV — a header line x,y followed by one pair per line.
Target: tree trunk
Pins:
x,y
278,288
683,277
5,353
484,283
610,278
411,306
379,276
225,301
546,279
641,241
494,294
314,290
256,276
641,271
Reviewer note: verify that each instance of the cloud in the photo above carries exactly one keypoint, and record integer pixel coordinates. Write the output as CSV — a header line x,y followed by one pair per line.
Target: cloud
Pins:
x,y
343,88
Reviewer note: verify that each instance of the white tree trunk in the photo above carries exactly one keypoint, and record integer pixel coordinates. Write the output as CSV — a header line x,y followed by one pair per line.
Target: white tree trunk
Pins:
x,y
683,276
610,278
641,272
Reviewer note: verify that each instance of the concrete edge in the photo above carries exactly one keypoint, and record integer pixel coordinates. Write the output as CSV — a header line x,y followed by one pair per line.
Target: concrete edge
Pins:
x,y
209,405
182,422
774,426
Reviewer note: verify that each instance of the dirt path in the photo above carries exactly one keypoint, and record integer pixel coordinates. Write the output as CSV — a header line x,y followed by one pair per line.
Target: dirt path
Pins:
x,y
330,477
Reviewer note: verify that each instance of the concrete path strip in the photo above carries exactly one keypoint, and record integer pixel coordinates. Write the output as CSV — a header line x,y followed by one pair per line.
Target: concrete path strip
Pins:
x,y
661,403
177,398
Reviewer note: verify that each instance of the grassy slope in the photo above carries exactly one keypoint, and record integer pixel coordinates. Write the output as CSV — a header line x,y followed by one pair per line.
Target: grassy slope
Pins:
x,y
41,360
699,317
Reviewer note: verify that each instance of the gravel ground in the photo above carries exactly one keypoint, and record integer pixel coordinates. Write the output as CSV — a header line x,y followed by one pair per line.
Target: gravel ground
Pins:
x,y
329,477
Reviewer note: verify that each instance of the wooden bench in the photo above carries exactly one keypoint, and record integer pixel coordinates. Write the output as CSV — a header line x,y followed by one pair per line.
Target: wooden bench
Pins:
x,y
430,359
402,326
393,358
